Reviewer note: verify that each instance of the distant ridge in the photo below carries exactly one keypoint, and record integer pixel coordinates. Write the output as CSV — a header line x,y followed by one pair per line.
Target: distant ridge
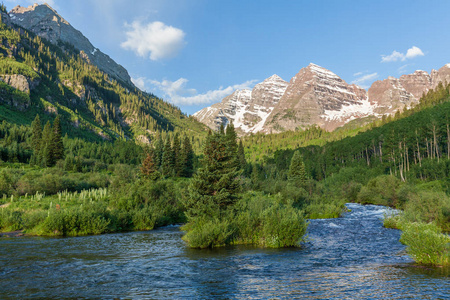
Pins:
x,y
317,96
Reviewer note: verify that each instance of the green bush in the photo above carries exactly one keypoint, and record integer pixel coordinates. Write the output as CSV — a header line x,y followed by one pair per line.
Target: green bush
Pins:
x,y
426,243
381,190
259,219
75,222
11,220
209,233
429,206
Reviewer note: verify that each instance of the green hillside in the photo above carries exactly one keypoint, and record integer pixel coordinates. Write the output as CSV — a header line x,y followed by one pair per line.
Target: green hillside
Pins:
x,y
92,105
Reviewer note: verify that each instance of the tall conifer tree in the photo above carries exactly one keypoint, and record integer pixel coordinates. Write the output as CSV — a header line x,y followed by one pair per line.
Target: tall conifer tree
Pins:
x,y
187,158
46,158
57,141
36,139
167,165
176,148
215,187
297,171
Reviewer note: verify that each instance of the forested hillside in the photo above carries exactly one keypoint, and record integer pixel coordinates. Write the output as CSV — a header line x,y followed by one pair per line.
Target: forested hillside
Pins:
x,y
56,79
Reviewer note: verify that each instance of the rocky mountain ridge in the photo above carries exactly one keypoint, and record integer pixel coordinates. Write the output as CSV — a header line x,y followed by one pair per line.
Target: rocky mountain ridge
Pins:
x,y
248,109
317,96
45,22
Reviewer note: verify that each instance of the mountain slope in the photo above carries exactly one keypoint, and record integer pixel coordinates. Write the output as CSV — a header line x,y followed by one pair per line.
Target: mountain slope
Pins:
x,y
45,22
317,96
248,110
47,78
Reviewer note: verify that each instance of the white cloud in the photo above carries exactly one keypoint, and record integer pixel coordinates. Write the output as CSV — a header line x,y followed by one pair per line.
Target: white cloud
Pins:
x,y
413,52
156,38
397,56
178,93
361,81
139,82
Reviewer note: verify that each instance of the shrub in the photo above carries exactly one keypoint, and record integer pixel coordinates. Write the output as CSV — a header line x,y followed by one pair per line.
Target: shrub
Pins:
x,y
259,219
429,206
209,233
426,243
381,190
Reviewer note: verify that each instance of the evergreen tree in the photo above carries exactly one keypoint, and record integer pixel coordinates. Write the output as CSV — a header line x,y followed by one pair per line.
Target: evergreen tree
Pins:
x,y
168,162
215,187
36,139
178,163
297,172
187,158
148,168
57,146
158,152
241,156
45,153
230,137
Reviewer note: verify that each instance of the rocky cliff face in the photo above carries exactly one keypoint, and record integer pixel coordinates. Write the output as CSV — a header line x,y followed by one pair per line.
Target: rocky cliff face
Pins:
x,y
317,96
19,82
248,110
47,23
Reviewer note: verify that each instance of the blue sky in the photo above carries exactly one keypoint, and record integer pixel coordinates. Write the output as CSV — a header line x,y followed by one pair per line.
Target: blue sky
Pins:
x,y
195,52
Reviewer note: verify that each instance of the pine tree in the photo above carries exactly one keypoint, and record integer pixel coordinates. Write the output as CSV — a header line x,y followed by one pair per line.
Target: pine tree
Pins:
x,y
297,171
241,156
57,146
36,139
176,148
148,168
230,137
187,158
158,152
45,153
168,163
214,188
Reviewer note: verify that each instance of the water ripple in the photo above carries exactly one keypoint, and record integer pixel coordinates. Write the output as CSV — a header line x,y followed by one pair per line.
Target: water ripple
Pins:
x,y
352,257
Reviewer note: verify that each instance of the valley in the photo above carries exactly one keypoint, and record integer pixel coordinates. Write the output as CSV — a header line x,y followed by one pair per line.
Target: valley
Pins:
x,y
104,183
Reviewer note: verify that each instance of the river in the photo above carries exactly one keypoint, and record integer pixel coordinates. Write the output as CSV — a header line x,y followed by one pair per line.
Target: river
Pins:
x,y
352,257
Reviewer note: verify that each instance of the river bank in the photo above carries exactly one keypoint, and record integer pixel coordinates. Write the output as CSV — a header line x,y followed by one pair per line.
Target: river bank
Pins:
x,y
348,257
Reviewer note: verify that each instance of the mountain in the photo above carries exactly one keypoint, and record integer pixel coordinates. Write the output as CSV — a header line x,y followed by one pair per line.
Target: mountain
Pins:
x,y
317,96
45,22
248,110
41,73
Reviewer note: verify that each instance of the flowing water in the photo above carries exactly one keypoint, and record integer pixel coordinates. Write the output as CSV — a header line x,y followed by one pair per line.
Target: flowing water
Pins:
x,y
352,257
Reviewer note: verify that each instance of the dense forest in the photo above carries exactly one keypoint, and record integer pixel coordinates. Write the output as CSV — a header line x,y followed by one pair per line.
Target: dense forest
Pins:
x,y
84,154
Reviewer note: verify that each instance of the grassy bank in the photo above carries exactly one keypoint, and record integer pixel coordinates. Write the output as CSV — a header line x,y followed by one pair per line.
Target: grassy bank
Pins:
x,y
94,211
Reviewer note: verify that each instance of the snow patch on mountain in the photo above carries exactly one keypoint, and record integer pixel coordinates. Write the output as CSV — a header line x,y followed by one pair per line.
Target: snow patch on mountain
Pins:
x,y
351,111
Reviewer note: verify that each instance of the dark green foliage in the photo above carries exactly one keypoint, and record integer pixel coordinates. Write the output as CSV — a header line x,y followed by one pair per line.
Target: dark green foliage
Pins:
x,y
242,162
46,155
214,187
57,146
178,162
187,158
168,159
297,172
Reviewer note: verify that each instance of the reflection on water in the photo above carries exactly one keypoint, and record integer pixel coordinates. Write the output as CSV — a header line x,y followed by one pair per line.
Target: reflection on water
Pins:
x,y
350,257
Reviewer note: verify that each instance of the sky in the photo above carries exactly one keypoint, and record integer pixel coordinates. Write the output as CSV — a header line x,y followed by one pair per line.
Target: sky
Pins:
x,y
193,53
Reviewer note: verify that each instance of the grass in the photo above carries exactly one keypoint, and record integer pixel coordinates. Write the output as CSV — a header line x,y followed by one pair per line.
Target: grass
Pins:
x,y
426,243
